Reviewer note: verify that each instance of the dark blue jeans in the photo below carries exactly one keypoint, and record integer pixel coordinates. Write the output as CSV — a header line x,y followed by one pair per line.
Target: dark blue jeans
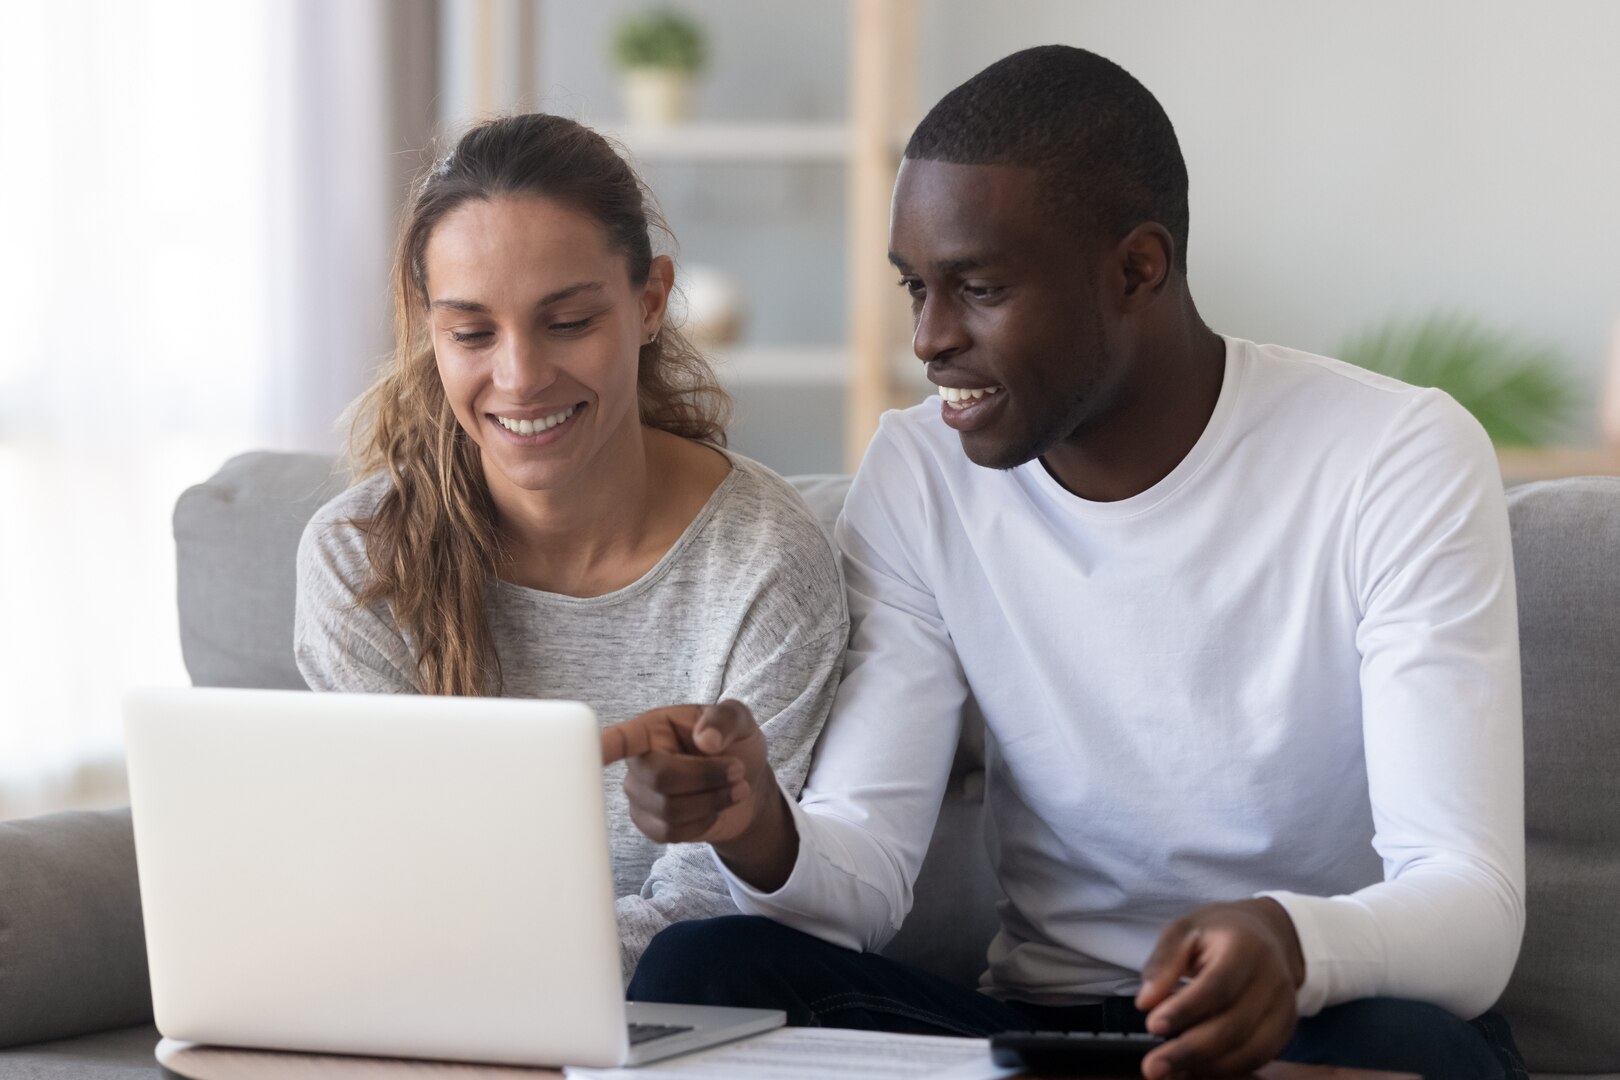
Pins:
x,y
752,962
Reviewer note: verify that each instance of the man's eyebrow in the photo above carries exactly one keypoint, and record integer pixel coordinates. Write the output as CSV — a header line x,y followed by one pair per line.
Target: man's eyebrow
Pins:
x,y
961,265
565,293
949,267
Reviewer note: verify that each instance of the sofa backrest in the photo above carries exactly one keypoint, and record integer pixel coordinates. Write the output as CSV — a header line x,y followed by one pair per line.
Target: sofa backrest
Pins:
x,y
1564,999
236,546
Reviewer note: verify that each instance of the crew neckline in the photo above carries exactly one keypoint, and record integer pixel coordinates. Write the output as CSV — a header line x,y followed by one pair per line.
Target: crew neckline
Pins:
x,y
658,569
1034,472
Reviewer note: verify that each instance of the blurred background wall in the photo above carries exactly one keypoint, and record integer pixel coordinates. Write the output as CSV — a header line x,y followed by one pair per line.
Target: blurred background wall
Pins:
x,y
201,200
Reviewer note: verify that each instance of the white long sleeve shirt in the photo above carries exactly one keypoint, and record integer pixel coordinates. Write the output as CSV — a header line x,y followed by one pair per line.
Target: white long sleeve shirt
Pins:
x,y
1290,668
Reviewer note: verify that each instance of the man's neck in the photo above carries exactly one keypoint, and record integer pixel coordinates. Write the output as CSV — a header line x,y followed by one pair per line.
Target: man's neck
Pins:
x,y
1160,416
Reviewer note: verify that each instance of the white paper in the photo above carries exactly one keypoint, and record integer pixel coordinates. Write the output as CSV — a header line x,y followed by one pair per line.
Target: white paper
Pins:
x,y
817,1053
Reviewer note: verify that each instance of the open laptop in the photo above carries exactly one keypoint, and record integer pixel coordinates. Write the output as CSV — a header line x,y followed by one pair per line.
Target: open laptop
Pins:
x,y
384,875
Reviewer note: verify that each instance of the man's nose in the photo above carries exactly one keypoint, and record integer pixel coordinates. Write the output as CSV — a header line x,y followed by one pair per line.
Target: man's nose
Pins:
x,y
938,333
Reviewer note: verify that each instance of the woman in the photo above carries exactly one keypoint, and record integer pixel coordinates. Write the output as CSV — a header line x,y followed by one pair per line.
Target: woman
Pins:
x,y
546,507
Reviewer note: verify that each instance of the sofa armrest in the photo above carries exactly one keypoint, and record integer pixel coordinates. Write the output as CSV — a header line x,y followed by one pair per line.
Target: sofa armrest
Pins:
x,y
72,944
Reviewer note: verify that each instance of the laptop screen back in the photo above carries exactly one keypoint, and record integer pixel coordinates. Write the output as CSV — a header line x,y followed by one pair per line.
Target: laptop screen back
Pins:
x,y
376,874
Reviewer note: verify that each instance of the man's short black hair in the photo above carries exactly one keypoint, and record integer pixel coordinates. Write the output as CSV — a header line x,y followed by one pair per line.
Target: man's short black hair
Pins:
x,y
1099,134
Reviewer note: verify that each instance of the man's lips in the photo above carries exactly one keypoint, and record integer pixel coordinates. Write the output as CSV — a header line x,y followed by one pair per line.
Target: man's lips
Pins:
x,y
968,409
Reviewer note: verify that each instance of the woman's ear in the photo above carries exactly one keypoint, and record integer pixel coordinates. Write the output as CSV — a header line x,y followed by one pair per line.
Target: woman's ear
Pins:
x,y
655,295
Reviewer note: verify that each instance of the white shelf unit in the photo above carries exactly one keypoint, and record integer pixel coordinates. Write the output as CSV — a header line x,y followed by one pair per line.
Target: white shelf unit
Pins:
x,y
781,365
799,365
766,143
754,143
869,364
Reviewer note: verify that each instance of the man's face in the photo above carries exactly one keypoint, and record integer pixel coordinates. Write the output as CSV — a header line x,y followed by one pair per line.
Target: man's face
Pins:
x,y
1007,302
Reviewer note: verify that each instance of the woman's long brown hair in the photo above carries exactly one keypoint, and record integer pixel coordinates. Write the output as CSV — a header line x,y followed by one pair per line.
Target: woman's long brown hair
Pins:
x,y
432,543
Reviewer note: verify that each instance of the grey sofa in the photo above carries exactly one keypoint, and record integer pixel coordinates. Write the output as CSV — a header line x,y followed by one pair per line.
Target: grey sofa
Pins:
x,y
73,997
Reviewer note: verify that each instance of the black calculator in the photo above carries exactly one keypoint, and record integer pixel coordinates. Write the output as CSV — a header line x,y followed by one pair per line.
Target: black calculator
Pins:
x,y
1068,1053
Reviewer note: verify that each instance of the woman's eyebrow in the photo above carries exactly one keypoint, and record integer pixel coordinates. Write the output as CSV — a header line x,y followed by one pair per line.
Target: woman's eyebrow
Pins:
x,y
461,305
571,291
565,293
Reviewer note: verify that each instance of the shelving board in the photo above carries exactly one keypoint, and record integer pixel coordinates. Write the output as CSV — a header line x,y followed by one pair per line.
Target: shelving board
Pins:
x,y
764,143
816,365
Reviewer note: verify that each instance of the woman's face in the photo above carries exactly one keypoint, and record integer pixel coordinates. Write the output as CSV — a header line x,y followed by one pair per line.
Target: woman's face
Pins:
x,y
537,329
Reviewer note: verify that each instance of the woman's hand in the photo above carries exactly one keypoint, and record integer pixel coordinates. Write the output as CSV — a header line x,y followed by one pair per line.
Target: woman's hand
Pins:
x,y
699,773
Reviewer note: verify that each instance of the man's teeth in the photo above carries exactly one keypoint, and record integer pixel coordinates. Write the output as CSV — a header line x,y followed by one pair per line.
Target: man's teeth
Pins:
x,y
961,397
531,427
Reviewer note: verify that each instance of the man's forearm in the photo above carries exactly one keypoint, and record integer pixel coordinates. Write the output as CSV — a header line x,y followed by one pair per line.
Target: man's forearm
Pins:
x,y
764,855
1277,917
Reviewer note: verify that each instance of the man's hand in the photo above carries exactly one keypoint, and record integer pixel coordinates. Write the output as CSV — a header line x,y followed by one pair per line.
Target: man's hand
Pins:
x,y
1244,964
699,773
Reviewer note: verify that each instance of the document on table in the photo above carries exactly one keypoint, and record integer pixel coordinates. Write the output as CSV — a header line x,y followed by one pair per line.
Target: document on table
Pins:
x,y
816,1053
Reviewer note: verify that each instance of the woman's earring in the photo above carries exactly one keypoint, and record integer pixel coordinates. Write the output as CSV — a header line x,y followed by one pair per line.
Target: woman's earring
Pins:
x,y
652,337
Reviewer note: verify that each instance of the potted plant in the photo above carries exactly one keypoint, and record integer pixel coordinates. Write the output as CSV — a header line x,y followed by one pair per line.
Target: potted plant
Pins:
x,y
1521,391
660,52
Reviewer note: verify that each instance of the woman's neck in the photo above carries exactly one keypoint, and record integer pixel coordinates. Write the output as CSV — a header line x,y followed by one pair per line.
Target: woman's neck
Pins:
x,y
613,523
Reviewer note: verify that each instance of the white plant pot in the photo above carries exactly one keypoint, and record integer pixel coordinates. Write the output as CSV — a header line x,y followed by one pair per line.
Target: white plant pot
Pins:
x,y
657,97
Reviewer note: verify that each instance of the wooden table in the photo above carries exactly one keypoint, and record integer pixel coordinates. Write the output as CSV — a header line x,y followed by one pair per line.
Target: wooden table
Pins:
x,y
1282,1070
274,1065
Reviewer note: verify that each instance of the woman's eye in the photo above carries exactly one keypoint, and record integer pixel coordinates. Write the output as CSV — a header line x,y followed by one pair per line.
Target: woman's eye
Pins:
x,y
469,337
572,327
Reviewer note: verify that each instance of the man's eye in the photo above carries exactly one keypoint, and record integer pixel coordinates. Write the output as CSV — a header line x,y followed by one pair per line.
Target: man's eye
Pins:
x,y
912,286
469,338
983,292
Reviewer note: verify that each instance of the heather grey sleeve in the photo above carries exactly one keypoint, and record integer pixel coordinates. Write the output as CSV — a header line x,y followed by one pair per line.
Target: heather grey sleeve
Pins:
x,y
790,693
339,645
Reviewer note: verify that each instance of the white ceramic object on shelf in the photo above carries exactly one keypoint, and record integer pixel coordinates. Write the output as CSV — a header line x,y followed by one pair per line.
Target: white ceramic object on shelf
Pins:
x,y
657,97
707,306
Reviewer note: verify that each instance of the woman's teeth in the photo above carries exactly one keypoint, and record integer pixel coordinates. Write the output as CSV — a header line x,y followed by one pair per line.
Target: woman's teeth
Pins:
x,y
961,397
533,427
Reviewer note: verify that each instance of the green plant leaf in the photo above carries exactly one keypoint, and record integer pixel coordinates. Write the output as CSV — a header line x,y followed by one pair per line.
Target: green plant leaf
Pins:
x,y
661,38
1520,391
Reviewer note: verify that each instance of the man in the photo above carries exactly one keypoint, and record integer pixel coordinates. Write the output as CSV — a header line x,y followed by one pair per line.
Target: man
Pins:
x,y
1240,621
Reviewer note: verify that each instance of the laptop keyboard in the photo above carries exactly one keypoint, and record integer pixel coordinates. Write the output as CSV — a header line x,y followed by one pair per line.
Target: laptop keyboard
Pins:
x,y
641,1033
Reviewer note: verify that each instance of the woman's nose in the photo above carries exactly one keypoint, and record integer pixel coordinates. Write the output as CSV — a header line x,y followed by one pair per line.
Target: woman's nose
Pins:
x,y
521,369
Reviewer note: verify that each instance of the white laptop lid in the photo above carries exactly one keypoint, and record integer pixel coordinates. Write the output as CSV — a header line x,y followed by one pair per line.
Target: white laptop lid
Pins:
x,y
376,874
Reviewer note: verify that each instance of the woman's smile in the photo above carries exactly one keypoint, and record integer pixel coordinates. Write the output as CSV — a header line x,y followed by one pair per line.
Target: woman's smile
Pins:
x,y
539,430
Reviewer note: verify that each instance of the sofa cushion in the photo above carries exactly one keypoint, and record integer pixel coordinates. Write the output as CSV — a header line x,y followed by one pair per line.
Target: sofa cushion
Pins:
x,y
1564,998
236,541
824,494
72,948
124,1054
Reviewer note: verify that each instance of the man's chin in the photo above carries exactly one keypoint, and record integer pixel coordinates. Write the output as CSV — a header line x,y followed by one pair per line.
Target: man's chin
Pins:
x,y
988,453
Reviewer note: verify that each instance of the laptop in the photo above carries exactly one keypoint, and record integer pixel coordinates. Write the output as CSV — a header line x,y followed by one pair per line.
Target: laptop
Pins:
x,y
387,875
